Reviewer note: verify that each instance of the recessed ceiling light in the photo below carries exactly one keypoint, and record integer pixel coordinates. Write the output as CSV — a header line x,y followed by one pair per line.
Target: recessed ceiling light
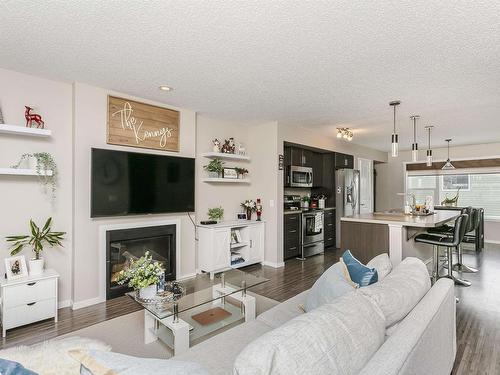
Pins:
x,y
165,88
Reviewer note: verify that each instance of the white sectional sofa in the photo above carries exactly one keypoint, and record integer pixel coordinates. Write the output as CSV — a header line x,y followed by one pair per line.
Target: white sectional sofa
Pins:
x,y
384,329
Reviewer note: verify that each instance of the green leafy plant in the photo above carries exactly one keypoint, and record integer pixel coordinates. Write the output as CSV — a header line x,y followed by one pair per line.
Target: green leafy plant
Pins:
x,y
216,213
37,239
306,198
142,273
44,162
214,166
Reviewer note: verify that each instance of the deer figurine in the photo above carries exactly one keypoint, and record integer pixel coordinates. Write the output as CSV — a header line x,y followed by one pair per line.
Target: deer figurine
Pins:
x,y
33,117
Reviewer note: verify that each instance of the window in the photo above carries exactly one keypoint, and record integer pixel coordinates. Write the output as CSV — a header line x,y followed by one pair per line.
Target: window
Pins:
x,y
455,182
476,189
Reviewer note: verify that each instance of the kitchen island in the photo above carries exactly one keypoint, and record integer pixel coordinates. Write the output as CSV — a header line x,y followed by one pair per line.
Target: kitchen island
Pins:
x,y
392,232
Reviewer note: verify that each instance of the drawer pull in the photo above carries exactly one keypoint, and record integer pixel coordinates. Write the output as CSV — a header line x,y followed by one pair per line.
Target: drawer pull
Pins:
x,y
31,303
330,225
31,284
293,231
293,248
330,239
292,218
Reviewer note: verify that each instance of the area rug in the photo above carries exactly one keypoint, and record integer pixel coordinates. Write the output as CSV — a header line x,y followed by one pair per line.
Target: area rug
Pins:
x,y
51,357
125,334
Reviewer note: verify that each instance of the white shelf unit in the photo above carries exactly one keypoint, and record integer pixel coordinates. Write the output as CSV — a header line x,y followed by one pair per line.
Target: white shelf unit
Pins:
x,y
23,172
221,155
22,130
226,180
215,250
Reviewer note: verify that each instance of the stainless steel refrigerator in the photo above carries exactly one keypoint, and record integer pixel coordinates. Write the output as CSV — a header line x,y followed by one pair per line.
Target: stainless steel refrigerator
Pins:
x,y
347,196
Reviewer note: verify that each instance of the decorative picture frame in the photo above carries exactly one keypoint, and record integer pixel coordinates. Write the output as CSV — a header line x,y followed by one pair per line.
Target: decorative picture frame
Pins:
x,y
15,267
241,216
230,173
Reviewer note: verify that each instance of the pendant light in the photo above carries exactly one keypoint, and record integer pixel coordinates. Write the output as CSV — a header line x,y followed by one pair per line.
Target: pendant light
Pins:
x,y
394,137
429,150
448,166
414,145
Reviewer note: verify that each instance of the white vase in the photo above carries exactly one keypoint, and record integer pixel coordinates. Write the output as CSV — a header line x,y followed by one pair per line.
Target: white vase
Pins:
x,y
36,266
148,292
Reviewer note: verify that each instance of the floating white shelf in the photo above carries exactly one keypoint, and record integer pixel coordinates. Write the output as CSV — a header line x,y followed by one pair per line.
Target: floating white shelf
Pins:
x,y
221,155
227,180
22,130
23,172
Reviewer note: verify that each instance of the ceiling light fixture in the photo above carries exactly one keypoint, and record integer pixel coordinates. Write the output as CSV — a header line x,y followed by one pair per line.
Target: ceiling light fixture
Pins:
x,y
165,88
345,133
394,137
414,145
448,166
429,150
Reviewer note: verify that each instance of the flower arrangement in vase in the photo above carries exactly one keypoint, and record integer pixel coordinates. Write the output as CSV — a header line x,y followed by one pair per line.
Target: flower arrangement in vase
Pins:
x,y
249,206
143,275
37,239
241,172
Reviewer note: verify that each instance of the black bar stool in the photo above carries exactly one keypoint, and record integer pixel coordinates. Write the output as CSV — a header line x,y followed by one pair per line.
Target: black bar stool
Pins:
x,y
472,223
449,242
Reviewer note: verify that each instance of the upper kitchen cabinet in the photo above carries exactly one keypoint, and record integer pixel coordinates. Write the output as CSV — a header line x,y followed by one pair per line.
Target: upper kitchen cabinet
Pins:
x,y
317,166
344,161
302,157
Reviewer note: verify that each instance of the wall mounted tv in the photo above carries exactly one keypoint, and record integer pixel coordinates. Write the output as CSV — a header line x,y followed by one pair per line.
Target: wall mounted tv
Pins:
x,y
129,183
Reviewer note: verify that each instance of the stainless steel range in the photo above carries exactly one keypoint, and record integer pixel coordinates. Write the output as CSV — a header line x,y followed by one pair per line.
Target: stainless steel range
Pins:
x,y
312,233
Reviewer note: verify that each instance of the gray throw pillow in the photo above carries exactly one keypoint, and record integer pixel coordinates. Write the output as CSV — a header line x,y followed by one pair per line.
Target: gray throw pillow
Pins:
x,y
331,285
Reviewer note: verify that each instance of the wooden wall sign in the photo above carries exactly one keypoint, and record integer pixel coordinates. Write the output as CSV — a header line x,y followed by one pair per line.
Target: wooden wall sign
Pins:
x,y
136,124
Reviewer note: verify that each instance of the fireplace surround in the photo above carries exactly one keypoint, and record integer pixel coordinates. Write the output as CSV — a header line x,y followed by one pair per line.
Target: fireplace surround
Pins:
x,y
121,242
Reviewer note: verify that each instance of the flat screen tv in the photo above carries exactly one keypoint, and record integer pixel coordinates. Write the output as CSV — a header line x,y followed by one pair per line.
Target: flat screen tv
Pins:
x,y
129,183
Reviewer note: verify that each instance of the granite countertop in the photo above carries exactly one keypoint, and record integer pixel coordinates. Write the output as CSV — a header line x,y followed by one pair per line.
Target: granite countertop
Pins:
x,y
287,212
398,218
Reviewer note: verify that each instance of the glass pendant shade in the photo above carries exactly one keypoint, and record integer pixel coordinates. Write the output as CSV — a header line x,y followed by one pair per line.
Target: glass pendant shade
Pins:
x,y
414,152
414,146
448,166
394,146
429,158
394,137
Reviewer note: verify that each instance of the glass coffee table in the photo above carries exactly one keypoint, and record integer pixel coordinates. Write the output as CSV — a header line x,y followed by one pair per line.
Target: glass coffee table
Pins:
x,y
207,305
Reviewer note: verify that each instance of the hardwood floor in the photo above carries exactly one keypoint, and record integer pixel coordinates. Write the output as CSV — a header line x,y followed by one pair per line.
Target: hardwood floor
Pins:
x,y
478,313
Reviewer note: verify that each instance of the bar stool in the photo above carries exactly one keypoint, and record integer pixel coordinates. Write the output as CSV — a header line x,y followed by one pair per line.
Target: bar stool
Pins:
x,y
471,225
449,242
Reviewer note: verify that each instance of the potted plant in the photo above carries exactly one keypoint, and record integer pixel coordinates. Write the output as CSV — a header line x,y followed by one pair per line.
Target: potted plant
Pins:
x,y
216,213
214,168
37,239
143,275
305,201
241,172
43,161
250,206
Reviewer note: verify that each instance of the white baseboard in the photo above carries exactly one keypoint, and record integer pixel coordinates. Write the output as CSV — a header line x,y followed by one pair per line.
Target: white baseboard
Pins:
x,y
87,302
65,303
273,264
492,241
187,276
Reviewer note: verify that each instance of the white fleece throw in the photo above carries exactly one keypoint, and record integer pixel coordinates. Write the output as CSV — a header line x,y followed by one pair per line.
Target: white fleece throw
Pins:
x,y
51,357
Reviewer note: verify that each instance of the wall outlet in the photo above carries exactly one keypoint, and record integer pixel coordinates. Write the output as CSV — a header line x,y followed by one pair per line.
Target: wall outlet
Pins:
x,y
271,203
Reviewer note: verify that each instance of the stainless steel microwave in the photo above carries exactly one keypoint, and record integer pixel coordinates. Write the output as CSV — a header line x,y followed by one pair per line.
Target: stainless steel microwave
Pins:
x,y
300,176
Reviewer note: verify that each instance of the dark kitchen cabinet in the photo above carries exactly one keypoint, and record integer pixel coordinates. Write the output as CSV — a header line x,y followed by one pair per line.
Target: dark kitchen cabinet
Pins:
x,y
344,161
291,235
296,156
287,162
329,226
317,166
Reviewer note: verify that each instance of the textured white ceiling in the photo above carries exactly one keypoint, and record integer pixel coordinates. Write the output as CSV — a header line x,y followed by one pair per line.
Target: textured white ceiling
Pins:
x,y
319,64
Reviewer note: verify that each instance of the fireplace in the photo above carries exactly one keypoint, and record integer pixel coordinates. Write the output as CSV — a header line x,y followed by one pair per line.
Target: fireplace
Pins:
x,y
124,245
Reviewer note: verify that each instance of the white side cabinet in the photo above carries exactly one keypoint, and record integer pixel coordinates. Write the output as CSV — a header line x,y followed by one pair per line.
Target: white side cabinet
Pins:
x,y
231,244
29,300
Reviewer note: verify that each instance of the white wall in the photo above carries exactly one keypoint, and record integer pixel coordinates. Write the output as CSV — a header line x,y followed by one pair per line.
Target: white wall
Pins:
x,y
391,177
21,197
260,144
90,111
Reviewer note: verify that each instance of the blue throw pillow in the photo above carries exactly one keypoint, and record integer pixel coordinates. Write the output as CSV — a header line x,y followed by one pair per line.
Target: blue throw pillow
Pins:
x,y
331,285
13,368
360,274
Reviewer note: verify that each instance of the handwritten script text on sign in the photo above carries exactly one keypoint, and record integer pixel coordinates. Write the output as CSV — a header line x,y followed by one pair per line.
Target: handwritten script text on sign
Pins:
x,y
128,121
